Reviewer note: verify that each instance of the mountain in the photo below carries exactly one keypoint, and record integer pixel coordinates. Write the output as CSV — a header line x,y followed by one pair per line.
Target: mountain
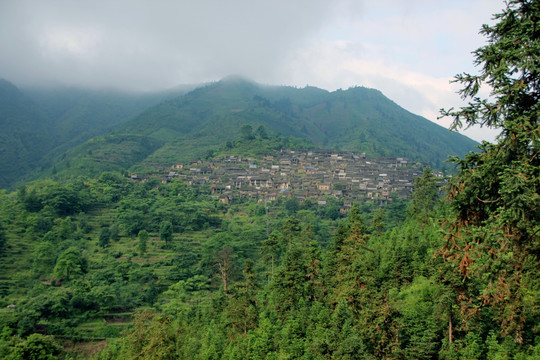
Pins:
x,y
25,134
79,114
187,127
40,124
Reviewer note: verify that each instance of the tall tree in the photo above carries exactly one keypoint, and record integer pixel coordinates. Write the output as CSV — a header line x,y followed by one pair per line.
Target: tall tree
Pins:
x,y
289,281
377,223
270,249
149,338
166,232
493,236
143,239
314,272
424,196
242,309
290,230
225,261
351,248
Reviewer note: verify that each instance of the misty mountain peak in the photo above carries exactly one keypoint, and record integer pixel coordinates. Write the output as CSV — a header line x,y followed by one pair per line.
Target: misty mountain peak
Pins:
x,y
234,78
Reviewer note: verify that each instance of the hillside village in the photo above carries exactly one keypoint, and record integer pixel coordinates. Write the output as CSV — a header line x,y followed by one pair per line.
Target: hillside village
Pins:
x,y
313,174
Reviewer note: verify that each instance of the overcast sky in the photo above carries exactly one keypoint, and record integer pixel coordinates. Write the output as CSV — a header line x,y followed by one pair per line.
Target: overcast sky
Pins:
x,y
409,50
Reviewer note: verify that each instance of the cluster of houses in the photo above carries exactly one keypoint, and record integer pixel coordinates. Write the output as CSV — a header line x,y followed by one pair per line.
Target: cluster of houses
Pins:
x,y
313,174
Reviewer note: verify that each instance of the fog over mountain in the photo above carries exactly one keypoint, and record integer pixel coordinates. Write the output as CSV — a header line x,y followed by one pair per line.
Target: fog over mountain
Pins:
x,y
408,50
80,132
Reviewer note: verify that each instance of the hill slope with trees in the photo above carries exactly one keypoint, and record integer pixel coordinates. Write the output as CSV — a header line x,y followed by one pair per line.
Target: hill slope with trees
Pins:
x,y
206,119
25,134
50,130
40,124
357,119
109,268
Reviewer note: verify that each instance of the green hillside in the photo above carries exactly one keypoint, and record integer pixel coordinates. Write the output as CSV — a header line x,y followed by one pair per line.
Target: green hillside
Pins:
x,y
25,135
77,114
358,119
237,257
47,131
40,124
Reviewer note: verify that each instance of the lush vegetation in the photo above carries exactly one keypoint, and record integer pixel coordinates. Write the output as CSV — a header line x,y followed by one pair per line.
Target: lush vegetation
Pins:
x,y
107,268
358,119
78,258
167,271
68,131
24,136
39,125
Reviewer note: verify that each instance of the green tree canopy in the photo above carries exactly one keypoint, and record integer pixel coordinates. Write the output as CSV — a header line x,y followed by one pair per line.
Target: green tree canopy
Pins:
x,y
143,239
493,237
37,347
166,232
247,132
70,263
424,195
104,236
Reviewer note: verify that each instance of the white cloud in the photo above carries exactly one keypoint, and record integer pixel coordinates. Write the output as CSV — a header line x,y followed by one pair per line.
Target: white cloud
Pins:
x,y
407,49
410,51
70,42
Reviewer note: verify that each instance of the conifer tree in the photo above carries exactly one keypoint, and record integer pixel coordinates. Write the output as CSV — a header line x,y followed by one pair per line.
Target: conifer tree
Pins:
x,y
424,196
377,223
242,309
225,260
270,249
288,283
314,274
494,234
352,245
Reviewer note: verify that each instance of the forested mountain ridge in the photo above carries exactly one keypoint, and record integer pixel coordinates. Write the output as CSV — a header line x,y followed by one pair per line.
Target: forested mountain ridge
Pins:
x,y
357,119
72,130
204,120
40,124
24,137
78,114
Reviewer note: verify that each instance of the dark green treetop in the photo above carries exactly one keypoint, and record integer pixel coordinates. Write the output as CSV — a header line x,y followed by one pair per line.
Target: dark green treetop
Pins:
x,y
425,195
166,232
494,234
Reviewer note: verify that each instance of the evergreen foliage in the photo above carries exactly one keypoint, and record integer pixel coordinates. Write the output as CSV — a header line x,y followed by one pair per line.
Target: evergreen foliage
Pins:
x,y
151,270
143,241
493,235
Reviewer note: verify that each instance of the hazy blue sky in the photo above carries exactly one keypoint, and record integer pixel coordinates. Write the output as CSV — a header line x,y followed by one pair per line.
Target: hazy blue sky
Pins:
x,y
409,50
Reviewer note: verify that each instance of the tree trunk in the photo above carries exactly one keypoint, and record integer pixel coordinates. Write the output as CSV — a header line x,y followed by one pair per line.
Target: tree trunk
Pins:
x,y
450,329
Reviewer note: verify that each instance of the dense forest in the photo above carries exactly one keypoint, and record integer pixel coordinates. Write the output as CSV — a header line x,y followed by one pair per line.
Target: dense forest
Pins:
x,y
107,268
